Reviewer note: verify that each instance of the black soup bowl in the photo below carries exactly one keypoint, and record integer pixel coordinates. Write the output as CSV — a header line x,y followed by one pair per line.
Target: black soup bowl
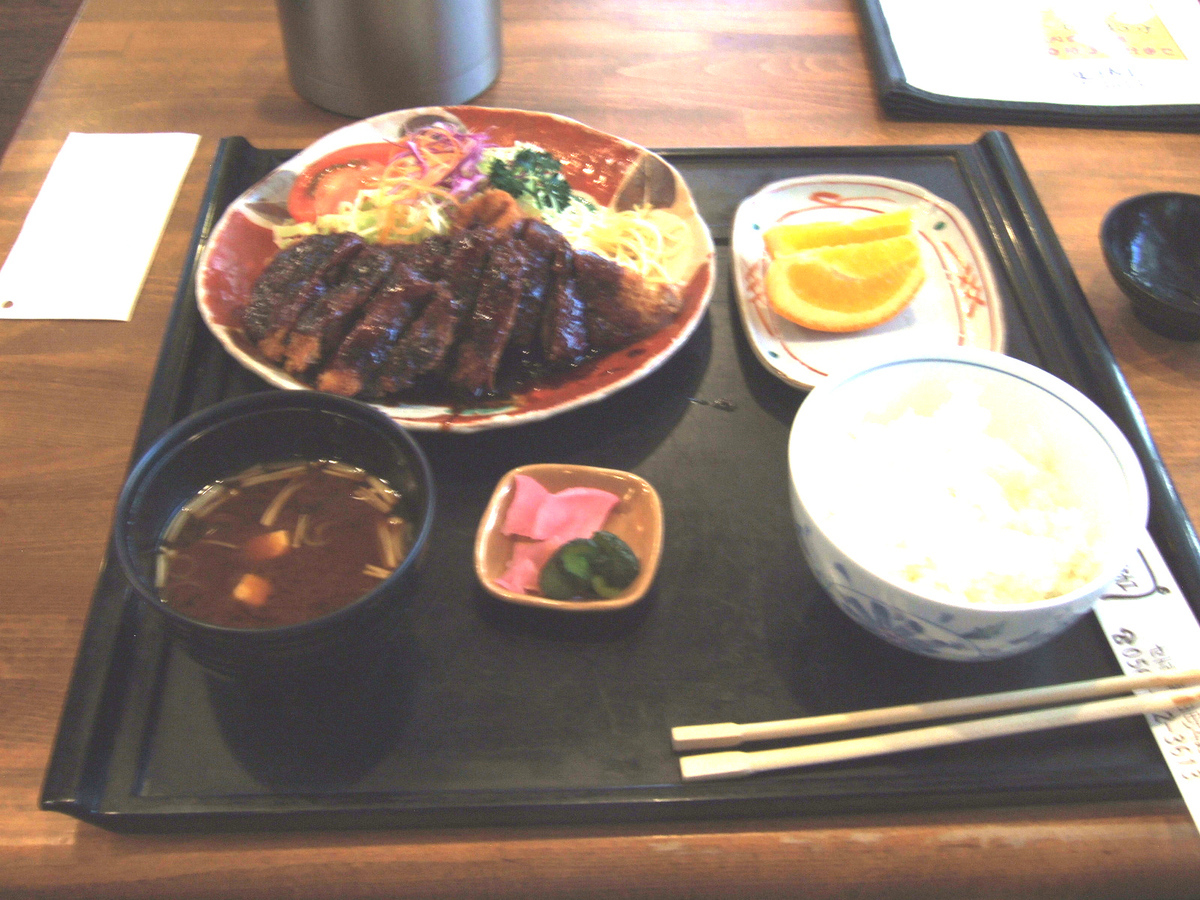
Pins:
x,y
270,427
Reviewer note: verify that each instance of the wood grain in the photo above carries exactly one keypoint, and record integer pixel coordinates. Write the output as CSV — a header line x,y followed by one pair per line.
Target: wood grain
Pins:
x,y
672,73
32,32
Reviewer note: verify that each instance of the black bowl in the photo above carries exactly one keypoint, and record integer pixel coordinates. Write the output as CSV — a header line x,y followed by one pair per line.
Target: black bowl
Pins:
x,y
1150,244
228,438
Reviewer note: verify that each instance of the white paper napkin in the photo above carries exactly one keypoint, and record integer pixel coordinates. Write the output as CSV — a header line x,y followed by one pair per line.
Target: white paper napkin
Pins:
x,y
91,234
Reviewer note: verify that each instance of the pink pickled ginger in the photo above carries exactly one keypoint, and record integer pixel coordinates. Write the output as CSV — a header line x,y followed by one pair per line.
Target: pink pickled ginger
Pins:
x,y
528,497
548,521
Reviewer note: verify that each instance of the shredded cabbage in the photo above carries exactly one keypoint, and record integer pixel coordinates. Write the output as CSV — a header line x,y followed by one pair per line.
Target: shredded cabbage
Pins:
x,y
364,218
644,239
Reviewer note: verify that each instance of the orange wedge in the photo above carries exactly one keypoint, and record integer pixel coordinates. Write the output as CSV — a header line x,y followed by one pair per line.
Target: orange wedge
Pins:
x,y
848,286
788,238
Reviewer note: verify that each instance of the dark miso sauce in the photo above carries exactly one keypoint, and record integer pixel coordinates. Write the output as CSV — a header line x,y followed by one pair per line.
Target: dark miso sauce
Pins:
x,y
281,544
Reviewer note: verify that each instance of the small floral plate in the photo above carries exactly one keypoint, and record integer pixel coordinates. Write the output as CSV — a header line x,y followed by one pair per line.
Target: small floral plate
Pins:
x,y
958,305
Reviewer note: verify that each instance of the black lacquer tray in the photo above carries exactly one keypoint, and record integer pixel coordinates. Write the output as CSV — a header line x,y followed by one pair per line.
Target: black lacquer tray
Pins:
x,y
484,713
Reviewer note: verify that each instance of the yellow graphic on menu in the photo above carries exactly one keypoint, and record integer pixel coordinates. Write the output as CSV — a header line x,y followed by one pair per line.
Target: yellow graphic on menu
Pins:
x,y
1063,41
1144,39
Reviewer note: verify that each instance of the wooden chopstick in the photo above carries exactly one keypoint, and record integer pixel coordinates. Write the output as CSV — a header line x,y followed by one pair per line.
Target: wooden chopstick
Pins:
x,y
731,734
734,763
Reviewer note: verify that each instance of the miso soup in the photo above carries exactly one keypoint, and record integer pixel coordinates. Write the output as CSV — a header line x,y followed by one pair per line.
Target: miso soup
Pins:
x,y
281,544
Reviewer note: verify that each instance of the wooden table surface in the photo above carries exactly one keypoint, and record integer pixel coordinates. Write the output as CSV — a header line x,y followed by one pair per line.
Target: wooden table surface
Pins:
x,y
667,73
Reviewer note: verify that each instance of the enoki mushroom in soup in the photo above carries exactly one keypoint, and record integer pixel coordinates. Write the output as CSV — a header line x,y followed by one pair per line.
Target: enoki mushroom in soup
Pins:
x,y
281,544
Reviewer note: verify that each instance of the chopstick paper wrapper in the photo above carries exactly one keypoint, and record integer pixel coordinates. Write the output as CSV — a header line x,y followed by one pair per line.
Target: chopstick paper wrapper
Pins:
x,y
108,196
733,763
1151,627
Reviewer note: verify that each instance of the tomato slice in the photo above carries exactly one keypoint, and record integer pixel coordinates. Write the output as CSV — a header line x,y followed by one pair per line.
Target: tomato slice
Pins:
x,y
337,176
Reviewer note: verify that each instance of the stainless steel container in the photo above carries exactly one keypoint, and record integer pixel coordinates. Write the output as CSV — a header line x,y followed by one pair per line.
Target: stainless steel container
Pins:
x,y
363,57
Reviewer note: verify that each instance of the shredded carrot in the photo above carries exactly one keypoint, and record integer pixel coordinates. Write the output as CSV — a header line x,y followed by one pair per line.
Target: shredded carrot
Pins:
x,y
426,158
433,154
391,229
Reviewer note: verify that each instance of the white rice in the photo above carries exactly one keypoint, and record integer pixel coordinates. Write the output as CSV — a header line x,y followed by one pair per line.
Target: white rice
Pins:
x,y
936,503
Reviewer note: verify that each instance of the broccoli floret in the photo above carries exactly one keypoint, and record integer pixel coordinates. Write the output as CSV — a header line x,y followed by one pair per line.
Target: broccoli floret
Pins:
x,y
534,175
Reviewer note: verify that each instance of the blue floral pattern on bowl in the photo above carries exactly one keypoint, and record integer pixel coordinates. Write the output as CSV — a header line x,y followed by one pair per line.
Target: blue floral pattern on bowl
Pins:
x,y
946,635
940,626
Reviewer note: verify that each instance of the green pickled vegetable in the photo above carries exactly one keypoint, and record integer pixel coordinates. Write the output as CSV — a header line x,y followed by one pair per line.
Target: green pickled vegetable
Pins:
x,y
555,583
605,590
616,563
579,558
601,566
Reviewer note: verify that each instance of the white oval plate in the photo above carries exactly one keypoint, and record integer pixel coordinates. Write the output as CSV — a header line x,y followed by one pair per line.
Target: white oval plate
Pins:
x,y
610,169
958,305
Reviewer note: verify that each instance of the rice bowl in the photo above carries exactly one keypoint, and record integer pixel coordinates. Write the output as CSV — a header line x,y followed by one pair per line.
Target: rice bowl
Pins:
x,y
962,504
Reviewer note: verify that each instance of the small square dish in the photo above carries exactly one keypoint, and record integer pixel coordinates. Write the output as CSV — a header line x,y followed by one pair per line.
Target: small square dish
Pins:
x,y
636,518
